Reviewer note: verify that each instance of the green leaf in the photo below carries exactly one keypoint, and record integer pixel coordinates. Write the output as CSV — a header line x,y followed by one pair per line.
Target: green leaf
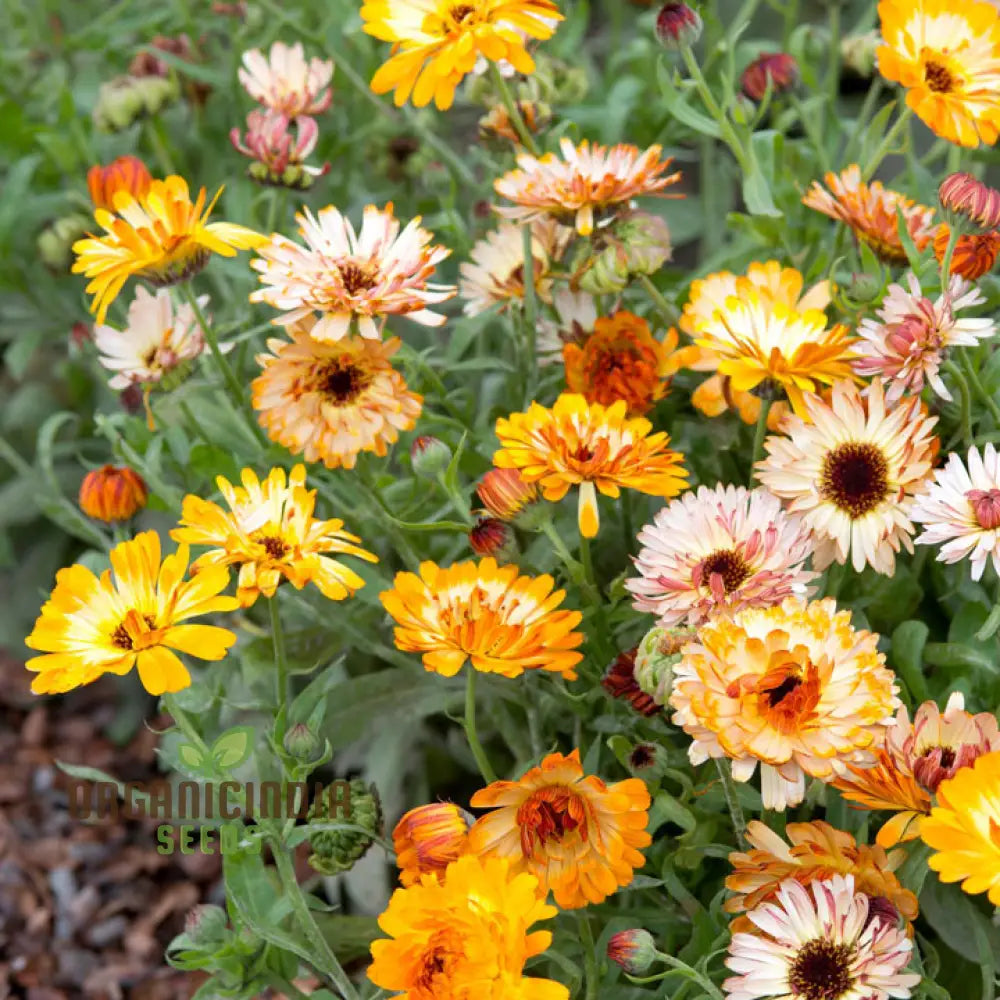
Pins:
x,y
233,747
907,648
757,193
677,103
957,919
190,756
990,626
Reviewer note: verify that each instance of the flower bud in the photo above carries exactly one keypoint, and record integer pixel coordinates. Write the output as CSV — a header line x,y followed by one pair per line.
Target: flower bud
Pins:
x,y
127,173
112,493
635,243
301,742
427,839
968,204
497,125
634,950
655,658
778,68
857,54
335,851
429,456
863,289
55,242
974,254
506,495
206,924
678,26
125,99
619,681
648,761
492,537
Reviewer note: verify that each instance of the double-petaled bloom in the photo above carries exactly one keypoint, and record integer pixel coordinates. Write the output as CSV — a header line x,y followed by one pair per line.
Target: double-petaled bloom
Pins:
x,y
285,82
579,837
279,146
429,838
973,255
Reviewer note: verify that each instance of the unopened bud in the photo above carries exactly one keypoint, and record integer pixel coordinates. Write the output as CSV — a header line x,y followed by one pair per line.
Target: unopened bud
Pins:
x,y
634,950
335,851
492,537
635,243
112,493
206,924
648,761
301,742
125,99
678,26
655,658
55,242
857,53
429,456
778,68
506,495
968,204
863,289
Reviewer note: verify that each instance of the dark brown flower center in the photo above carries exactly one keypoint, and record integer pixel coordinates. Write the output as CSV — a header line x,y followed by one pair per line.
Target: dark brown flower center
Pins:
x,y
343,381
461,11
357,277
729,565
122,639
855,478
938,77
274,546
821,970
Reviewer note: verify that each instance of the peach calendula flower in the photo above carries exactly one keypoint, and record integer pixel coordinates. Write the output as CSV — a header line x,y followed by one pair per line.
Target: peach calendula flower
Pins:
x,y
974,254
499,621
946,54
851,472
906,344
794,687
349,276
94,625
814,851
127,173
717,551
270,533
162,237
283,81
962,828
579,837
436,42
584,187
428,839
961,509
495,272
827,944
330,402
113,493
870,211
589,445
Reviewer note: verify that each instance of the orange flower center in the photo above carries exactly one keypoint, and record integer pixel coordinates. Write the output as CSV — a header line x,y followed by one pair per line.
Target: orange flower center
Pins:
x,y
822,970
789,690
855,478
729,565
986,506
438,963
549,814
342,381
358,276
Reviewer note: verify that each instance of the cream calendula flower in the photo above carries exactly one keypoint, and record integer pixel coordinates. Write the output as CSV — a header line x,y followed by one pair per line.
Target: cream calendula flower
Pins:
x,y
349,276
584,186
575,318
285,82
851,473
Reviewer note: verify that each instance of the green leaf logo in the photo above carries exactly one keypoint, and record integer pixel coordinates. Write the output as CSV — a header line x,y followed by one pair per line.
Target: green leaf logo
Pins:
x,y
233,747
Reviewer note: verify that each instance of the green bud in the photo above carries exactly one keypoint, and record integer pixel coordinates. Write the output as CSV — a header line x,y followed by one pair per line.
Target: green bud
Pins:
x,y
429,456
125,99
857,52
335,851
206,924
55,242
655,658
863,289
301,742
633,244
634,950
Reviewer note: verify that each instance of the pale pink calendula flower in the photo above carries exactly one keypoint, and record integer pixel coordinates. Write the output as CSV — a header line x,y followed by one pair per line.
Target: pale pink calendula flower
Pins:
x,y
285,82
280,145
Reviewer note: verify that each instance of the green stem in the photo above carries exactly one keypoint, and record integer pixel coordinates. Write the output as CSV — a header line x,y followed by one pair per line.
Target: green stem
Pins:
x,y
460,503
711,232
572,565
280,666
667,311
513,111
605,638
978,387
953,235
887,142
724,768
471,732
726,130
530,316
966,405
161,145
628,524
185,725
275,209
590,968
677,965
760,432
833,64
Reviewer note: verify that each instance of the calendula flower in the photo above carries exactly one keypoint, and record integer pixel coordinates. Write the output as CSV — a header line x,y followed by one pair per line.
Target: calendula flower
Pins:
x,y
113,493
576,316
497,123
942,743
499,621
851,473
870,211
436,42
495,272
974,254
815,851
947,56
579,837
906,344
127,173
717,551
162,237
962,828
794,687
830,944
586,186
279,146
283,81
961,509
351,277
969,203
93,625
428,839
505,494
589,445
269,532
330,402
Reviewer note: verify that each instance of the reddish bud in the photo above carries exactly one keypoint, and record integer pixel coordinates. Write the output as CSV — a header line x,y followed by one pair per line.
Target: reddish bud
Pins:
x,y
964,199
505,494
778,68
491,537
634,950
678,26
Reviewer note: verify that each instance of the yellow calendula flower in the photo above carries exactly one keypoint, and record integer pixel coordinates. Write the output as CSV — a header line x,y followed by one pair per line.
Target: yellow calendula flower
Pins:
x,y
576,443
94,625
160,236
269,532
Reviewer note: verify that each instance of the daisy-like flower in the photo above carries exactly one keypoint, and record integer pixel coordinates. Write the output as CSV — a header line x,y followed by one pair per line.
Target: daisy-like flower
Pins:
x,y
283,81
269,532
586,186
718,551
947,56
576,316
158,339
793,687
962,828
961,509
464,935
330,402
127,173
851,472
907,343
974,254
579,837
870,211
830,944
814,851
347,276
499,621
494,274
589,445
428,839
436,42
161,236
92,625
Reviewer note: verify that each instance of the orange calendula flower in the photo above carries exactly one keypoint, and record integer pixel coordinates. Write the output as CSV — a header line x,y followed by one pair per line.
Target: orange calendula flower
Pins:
x,y
505,494
946,53
93,625
579,837
428,839
113,493
127,173
586,444
963,828
586,186
815,851
487,614
330,402
436,42
794,687
269,532
870,211
464,936
974,254
161,236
